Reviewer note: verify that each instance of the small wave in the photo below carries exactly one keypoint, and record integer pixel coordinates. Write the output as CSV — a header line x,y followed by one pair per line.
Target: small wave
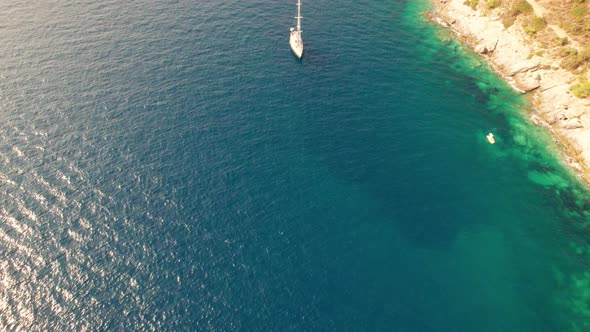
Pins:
x,y
38,197
84,223
7,180
76,170
40,133
18,152
5,158
63,177
59,195
57,212
14,224
75,236
26,212
21,249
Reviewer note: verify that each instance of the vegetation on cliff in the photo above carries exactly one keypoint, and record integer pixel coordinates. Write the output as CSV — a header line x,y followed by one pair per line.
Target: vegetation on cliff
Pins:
x,y
559,29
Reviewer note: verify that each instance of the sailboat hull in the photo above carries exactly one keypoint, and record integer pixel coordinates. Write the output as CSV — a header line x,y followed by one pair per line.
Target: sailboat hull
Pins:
x,y
296,43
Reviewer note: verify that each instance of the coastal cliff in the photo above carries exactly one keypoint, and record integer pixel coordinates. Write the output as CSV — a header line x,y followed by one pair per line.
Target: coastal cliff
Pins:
x,y
525,43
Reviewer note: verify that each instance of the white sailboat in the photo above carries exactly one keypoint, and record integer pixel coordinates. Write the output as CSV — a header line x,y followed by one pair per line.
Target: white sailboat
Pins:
x,y
295,40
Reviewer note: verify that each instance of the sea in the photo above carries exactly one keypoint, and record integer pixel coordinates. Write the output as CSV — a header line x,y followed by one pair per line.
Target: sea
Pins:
x,y
172,166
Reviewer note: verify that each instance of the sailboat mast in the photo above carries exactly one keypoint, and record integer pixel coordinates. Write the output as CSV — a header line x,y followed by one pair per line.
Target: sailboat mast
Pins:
x,y
299,15
295,39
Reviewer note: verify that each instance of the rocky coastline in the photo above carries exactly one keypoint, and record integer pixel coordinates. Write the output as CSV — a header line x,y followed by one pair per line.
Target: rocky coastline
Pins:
x,y
514,55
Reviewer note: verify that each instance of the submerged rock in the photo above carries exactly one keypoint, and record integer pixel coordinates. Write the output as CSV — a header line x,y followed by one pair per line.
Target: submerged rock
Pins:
x,y
547,179
520,140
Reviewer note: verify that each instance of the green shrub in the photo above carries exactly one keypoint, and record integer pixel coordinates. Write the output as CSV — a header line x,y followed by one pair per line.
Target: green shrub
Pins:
x,y
568,51
508,21
571,62
581,90
521,7
571,59
471,3
491,4
562,41
574,29
579,12
535,25
574,59
585,54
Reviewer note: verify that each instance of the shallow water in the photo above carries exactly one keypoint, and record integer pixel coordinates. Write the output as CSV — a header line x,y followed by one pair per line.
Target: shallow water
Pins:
x,y
171,166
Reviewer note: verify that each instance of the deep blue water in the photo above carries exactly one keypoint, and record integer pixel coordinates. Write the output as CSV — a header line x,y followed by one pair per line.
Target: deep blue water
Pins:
x,y
170,166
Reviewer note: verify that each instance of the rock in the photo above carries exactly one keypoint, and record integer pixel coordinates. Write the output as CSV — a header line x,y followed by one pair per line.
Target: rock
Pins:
x,y
572,124
552,119
495,46
530,86
526,82
520,140
481,49
512,58
440,21
524,68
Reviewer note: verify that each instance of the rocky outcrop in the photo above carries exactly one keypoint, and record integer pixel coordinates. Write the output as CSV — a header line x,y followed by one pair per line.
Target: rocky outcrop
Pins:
x,y
525,66
527,79
511,53
572,124
484,48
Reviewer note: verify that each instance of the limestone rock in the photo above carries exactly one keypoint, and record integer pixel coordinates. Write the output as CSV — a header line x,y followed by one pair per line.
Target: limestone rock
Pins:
x,y
572,124
568,116
520,140
530,86
551,119
525,67
481,49
526,82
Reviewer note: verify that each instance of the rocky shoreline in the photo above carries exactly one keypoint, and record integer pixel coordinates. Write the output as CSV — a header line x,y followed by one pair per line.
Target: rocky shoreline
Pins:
x,y
512,53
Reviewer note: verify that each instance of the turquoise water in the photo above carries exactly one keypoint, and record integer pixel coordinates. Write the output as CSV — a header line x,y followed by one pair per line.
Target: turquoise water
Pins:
x,y
171,166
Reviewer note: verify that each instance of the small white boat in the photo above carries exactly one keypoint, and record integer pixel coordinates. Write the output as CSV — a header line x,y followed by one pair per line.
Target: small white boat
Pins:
x,y
490,138
295,39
